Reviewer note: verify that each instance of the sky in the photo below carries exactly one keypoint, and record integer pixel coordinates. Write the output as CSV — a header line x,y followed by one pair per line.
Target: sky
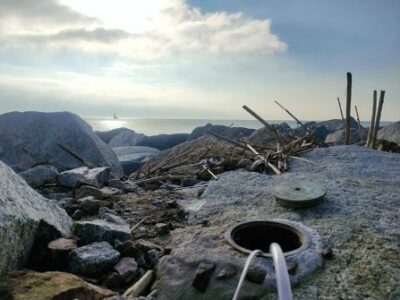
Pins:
x,y
199,58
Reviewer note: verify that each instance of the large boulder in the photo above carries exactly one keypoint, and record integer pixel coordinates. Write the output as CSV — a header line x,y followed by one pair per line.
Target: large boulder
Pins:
x,y
31,138
390,133
356,136
40,175
93,260
25,217
337,124
28,285
131,158
126,138
226,131
263,136
163,141
106,136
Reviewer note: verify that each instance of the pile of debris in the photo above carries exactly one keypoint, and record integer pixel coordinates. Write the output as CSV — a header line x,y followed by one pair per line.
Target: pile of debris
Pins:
x,y
210,155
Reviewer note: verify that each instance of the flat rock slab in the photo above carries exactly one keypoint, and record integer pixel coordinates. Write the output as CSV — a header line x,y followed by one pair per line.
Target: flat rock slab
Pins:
x,y
358,219
99,231
49,286
96,177
93,260
298,193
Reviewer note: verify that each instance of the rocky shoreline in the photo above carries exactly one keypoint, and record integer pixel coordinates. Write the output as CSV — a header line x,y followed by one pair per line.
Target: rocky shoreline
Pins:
x,y
75,225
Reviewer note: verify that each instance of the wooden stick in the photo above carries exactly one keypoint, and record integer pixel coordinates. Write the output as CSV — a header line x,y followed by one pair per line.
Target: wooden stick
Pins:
x,y
140,286
297,120
76,156
378,118
272,167
359,123
210,172
136,226
279,137
372,124
305,160
348,109
341,112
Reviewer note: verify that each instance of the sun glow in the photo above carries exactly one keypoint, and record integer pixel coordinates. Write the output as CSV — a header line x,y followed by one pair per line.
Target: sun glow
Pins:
x,y
132,16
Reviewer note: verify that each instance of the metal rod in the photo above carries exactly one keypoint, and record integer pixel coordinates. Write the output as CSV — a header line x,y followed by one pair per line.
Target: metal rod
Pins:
x,y
281,273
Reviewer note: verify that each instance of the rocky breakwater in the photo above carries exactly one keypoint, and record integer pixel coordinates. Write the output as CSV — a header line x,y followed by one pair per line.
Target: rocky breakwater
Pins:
x,y
62,140
357,222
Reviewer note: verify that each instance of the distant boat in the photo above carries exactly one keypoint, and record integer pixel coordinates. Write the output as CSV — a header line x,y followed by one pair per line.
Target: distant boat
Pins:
x,y
115,117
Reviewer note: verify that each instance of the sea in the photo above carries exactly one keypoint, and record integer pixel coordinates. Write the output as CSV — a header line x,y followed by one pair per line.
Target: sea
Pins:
x,y
169,126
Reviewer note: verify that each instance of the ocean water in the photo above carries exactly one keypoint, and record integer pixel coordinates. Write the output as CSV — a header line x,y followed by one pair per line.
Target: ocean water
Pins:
x,y
168,126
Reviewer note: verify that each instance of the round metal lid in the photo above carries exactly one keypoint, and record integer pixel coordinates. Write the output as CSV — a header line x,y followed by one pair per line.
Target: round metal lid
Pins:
x,y
298,193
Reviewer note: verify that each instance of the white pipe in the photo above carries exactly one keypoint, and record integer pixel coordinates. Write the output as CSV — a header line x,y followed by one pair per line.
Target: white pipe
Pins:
x,y
281,273
244,272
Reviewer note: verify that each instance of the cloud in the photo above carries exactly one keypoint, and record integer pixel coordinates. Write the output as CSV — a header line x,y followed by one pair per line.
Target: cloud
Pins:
x,y
144,31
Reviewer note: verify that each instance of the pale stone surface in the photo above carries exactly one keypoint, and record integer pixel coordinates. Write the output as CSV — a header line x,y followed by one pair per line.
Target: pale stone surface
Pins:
x,y
358,219
390,133
21,211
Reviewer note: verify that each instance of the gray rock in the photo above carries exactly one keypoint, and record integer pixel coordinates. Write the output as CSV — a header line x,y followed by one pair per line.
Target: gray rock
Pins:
x,y
106,136
93,260
358,219
96,177
337,124
263,136
112,218
128,269
40,175
103,193
113,281
256,274
99,231
125,186
32,138
90,205
337,137
202,276
226,131
390,133
163,141
131,158
126,138
115,298
22,210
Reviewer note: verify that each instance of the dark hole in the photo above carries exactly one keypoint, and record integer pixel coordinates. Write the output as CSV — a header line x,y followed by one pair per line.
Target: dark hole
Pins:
x,y
297,189
261,236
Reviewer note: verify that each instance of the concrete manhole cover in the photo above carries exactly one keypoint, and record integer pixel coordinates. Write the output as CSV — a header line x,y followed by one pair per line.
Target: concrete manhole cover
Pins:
x,y
298,193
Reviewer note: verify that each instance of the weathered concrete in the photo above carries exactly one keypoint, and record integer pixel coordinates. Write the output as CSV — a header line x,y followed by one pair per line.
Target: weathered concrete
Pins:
x,y
23,213
358,219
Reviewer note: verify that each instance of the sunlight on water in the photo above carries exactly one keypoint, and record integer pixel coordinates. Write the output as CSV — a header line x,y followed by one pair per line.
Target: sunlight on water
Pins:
x,y
112,124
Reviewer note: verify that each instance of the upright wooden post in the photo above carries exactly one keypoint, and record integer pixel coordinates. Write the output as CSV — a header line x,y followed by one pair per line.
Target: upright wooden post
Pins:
x,y
372,124
378,118
348,109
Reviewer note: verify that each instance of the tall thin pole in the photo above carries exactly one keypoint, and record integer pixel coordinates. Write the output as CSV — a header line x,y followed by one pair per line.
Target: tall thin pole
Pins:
x,y
348,109
372,124
378,118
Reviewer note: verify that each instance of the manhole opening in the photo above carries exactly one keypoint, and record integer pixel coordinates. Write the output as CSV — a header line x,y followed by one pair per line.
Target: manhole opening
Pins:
x,y
250,236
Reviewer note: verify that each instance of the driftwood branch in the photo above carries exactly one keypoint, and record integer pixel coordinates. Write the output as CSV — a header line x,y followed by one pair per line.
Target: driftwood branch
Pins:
x,y
140,286
278,136
359,123
341,112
